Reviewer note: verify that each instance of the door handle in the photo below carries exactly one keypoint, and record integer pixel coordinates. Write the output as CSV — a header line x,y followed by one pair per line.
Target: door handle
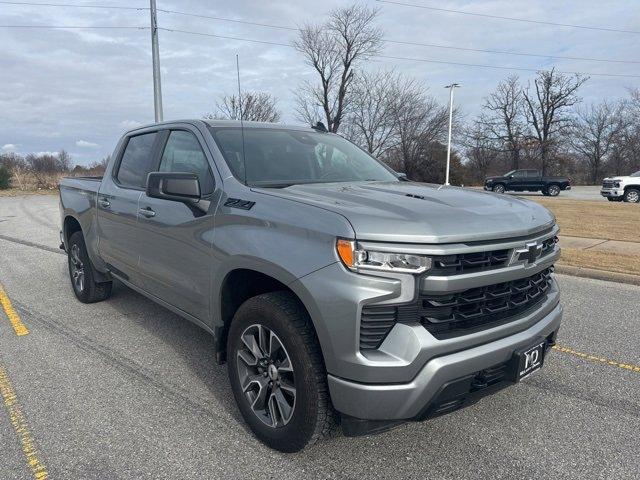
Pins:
x,y
146,212
104,203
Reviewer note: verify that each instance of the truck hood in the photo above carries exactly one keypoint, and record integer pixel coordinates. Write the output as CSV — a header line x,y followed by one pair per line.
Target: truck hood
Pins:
x,y
422,213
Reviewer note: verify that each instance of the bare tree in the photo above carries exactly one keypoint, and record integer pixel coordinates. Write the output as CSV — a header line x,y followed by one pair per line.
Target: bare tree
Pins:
x,y
371,122
420,126
334,49
253,106
594,135
481,151
503,119
546,106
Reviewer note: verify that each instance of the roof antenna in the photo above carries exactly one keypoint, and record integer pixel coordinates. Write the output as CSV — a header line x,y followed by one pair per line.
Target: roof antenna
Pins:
x,y
244,160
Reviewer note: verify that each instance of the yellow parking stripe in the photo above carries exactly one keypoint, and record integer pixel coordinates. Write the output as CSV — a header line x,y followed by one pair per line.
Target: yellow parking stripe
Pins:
x,y
19,423
12,315
594,358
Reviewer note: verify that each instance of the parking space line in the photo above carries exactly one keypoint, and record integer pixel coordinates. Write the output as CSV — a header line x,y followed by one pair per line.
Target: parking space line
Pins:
x,y
19,423
594,358
19,327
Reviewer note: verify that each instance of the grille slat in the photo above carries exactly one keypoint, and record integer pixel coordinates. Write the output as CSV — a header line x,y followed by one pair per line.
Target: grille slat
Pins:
x,y
452,315
462,313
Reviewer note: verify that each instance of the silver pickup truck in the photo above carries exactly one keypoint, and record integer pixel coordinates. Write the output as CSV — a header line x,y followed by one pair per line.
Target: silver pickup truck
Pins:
x,y
336,291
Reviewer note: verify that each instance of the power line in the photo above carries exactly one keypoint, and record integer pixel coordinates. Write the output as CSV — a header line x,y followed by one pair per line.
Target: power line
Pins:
x,y
513,19
401,42
391,57
37,4
244,22
126,27
398,42
521,54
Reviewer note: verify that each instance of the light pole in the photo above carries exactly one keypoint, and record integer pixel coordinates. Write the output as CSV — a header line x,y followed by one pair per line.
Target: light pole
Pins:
x,y
155,54
450,87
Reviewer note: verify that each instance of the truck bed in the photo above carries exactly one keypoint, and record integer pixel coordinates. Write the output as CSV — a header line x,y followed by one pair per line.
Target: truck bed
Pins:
x,y
88,184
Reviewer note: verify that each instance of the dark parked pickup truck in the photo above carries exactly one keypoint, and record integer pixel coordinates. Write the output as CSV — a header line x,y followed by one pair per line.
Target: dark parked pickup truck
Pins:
x,y
335,291
527,181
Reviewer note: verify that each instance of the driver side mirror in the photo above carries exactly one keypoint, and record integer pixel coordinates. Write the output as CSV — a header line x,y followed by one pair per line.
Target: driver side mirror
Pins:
x,y
179,187
510,177
402,176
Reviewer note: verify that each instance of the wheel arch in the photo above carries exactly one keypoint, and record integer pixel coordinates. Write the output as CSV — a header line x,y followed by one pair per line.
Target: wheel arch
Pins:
x,y
70,226
243,282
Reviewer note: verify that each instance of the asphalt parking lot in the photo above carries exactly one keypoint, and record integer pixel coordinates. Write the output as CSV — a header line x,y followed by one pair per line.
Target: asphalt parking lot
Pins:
x,y
126,389
579,192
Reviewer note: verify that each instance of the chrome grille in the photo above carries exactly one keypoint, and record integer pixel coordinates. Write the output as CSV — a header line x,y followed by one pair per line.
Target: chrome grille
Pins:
x,y
608,184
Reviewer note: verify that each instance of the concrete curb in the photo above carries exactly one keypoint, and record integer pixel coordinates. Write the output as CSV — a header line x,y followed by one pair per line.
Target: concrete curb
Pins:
x,y
598,274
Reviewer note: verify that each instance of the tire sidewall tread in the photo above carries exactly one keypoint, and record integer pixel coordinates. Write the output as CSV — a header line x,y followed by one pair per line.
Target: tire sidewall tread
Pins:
x,y
313,417
93,291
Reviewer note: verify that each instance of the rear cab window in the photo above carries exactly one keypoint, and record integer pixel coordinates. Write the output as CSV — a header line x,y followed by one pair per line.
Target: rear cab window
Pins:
x,y
137,161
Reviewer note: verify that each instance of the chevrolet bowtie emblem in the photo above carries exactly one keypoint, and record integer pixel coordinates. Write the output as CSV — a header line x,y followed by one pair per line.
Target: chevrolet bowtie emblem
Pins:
x,y
529,254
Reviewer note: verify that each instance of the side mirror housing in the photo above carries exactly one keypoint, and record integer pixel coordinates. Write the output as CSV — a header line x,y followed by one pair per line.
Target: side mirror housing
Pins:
x,y
176,186
402,176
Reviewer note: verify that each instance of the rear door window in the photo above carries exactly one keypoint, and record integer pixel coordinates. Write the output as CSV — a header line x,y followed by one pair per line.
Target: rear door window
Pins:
x,y
183,153
137,161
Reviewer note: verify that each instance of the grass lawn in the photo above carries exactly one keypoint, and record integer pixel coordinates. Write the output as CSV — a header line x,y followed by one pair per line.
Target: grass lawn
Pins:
x,y
593,219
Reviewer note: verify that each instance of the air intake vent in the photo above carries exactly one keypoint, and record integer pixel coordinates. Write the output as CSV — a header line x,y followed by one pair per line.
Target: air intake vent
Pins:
x,y
375,324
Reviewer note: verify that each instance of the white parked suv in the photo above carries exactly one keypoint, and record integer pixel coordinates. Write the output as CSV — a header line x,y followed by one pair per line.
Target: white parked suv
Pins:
x,y
617,189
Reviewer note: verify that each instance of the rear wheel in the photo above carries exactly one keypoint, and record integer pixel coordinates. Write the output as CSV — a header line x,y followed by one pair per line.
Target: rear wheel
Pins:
x,y
277,374
553,190
499,188
632,195
81,272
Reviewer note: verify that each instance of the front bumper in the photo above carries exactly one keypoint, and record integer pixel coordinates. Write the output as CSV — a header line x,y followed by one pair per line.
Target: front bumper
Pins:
x,y
415,400
611,192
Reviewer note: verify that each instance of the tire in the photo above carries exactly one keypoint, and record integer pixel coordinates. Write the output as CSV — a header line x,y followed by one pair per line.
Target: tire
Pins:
x,y
611,199
632,195
283,420
553,190
81,273
545,192
499,188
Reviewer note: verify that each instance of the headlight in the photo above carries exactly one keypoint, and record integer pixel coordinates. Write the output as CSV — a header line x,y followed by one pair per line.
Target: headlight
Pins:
x,y
616,184
489,181
358,259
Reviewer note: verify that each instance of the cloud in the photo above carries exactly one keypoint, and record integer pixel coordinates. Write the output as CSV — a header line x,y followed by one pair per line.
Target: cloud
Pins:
x,y
129,124
92,84
85,144
10,147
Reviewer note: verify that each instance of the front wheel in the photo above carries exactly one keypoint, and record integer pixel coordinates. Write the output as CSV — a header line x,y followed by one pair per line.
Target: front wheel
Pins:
x,y
277,374
632,195
553,190
498,188
81,272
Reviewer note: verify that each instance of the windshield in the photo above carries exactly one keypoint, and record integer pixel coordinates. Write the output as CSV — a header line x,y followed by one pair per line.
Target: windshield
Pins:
x,y
509,173
637,174
280,157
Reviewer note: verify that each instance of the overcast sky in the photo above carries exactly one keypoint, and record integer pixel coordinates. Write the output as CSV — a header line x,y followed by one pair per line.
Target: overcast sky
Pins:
x,y
80,89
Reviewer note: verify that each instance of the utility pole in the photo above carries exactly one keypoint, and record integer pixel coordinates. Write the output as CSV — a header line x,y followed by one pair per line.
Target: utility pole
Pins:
x,y
450,87
155,53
